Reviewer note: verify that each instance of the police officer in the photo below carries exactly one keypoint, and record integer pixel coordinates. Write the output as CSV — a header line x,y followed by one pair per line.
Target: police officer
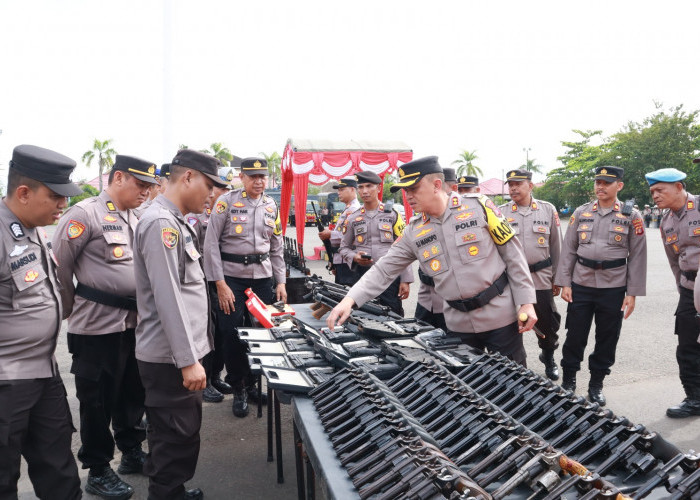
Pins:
x,y
465,244
367,236
34,414
680,234
174,331
161,180
243,249
602,269
93,242
347,193
536,225
467,184
450,179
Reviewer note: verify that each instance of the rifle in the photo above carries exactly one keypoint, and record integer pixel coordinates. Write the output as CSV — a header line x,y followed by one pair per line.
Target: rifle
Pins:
x,y
326,243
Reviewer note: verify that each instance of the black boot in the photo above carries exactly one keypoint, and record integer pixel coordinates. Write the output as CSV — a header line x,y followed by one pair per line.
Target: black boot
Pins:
x,y
569,382
194,494
240,401
221,386
595,388
254,394
690,407
104,483
211,395
132,461
550,367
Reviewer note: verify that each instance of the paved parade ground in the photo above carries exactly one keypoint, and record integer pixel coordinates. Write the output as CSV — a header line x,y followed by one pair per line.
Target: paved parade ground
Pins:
x,y
644,382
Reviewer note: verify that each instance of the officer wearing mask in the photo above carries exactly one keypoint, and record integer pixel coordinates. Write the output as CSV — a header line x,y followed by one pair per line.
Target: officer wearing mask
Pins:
x,y
467,247
347,193
536,225
680,234
603,267
94,243
243,249
36,419
467,184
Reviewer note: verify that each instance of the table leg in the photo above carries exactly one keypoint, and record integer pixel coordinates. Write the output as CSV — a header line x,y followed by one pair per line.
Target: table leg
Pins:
x,y
301,490
260,393
278,441
270,400
310,479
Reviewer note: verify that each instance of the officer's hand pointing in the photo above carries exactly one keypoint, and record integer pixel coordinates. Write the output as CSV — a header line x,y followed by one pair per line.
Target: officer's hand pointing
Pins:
x,y
340,313
226,298
628,305
529,311
194,378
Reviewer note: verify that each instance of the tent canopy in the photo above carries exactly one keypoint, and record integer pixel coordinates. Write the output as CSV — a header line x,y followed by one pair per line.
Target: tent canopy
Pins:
x,y
315,145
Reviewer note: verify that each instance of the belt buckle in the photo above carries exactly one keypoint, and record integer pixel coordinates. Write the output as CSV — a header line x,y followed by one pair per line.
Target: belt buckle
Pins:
x,y
598,266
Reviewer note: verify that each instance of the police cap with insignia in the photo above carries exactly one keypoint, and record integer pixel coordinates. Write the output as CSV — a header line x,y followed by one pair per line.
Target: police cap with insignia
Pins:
x,y
518,175
141,169
346,182
413,171
226,175
254,166
164,170
367,176
610,174
204,163
48,167
665,175
467,181
450,174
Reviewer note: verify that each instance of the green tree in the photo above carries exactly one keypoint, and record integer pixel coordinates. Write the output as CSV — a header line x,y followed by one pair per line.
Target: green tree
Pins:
x,y
88,192
220,152
465,165
531,166
274,165
104,153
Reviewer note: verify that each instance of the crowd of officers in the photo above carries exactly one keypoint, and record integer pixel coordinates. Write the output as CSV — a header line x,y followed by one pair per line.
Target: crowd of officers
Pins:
x,y
151,274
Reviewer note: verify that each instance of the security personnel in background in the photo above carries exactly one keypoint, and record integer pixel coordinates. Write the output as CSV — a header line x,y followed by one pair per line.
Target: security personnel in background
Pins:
x,y
93,243
467,184
347,193
367,236
536,225
450,179
467,247
603,267
680,234
174,330
243,249
162,175
36,420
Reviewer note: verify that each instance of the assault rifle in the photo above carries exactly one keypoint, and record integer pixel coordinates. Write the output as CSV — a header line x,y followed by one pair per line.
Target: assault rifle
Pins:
x,y
326,243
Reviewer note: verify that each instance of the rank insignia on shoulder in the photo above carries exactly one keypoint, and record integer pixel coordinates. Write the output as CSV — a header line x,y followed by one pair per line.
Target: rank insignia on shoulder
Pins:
x,y
170,237
221,206
74,229
572,220
691,205
514,208
208,211
111,207
31,276
110,218
16,229
455,201
534,205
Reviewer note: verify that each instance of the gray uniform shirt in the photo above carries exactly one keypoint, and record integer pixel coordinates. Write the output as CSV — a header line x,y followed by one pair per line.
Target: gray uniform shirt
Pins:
x,y
170,289
240,225
372,231
337,233
604,234
457,250
199,223
30,305
538,229
680,233
93,242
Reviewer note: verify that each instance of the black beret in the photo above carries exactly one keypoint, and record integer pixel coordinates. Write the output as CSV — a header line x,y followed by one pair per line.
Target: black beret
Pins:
x,y
519,175
413,171
346,182
367,176
207,164
450,174
48,167
466,181
254,166
141,169
610,174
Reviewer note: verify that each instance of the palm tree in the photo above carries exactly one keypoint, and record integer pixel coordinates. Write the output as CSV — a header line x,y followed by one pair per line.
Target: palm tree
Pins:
x,y
104,153
530,166
465,165
220,152
274,163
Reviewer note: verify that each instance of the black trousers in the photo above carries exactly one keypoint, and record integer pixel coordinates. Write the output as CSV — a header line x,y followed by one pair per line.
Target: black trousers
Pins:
x,y
505,340
390,296
174,421
235,350
688,350
548,320
604,305
344,275
213,362
35,422
108,386
435,319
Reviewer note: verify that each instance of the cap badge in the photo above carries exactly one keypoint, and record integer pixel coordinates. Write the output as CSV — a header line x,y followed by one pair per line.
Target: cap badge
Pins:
x,y
512,174
401,173
604,171
152,170
257,164
229,176
462,180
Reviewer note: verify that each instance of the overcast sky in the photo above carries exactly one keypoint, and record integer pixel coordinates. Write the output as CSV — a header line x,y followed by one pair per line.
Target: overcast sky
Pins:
x,y
495,77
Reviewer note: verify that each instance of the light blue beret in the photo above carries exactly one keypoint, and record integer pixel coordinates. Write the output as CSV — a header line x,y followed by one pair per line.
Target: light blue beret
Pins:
x,y
665,175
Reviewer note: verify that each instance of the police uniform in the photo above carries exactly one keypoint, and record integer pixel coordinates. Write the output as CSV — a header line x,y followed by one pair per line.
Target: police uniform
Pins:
x,y
604,258
537,227
174,332
244,247
343,274
478,267
35,419
373,231
680,234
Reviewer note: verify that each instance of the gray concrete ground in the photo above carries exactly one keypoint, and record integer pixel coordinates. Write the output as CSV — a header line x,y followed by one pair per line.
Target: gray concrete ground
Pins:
x,y
644,382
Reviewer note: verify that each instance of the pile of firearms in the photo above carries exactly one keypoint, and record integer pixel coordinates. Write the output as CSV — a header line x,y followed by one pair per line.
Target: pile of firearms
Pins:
x,y
294,257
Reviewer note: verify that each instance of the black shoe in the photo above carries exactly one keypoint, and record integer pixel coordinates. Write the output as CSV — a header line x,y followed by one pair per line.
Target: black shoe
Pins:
x,y
132,462
595,395
254,395
221,386
240,403
194,494
106,484
550,367
688,408
211,395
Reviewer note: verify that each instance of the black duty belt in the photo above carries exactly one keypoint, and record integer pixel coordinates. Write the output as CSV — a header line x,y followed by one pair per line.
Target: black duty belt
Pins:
x,y
690,275
425,279
482,298
538,266
601,264
253,258
105,298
